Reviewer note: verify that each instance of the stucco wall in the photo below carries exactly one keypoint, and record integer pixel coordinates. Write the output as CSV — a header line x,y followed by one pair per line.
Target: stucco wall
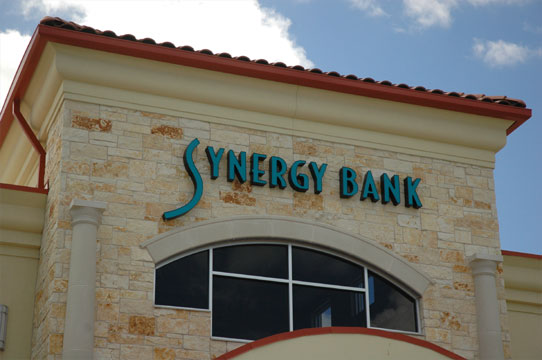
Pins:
x,y
523,276
132,160
21,224
17,268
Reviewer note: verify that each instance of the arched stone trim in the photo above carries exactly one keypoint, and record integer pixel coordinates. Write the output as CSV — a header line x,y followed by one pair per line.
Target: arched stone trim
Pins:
x,y
213,232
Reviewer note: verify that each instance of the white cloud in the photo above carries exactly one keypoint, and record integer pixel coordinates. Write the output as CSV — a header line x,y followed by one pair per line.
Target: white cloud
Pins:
x,y
501,53
12,47
428,13
497,2
239,27
370,6
30,8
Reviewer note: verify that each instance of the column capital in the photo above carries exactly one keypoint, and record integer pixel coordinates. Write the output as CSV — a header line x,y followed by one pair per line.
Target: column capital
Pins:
x,y
484,264
87,211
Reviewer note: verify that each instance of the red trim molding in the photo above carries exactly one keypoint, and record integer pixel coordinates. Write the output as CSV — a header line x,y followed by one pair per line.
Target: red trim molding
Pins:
x,y
44,33
24,188
337,330
521,254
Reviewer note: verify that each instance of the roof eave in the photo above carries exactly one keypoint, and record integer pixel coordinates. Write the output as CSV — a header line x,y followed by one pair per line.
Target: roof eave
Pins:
x,y
44,34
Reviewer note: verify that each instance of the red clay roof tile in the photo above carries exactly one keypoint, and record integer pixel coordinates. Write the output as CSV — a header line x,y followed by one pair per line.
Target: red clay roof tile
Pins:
x,y
63,24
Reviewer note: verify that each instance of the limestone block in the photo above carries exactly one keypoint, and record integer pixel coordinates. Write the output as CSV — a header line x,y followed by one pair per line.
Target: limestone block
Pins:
x,y
229,137
80,151
114,281
133,352
477,181
140,307
55,343
191,342
141,325
411,221
107,312
279,140
75,135
166,324
91,123
130,142
171,132
164,354
429,222
190,134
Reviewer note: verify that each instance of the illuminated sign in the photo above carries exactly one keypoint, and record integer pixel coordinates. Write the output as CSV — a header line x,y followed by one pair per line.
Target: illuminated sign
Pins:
x,y
279,175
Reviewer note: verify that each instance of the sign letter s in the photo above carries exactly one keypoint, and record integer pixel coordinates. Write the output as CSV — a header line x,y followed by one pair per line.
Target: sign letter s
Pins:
x,y
196,179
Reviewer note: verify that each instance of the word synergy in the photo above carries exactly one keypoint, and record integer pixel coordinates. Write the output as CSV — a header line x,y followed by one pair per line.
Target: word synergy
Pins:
x,y
279,176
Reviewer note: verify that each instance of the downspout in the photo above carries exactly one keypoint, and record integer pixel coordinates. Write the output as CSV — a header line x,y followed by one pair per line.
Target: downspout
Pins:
x,y
33,140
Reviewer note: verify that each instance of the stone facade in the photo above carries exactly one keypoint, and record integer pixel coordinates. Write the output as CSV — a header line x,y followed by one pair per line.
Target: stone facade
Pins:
x,y
132,160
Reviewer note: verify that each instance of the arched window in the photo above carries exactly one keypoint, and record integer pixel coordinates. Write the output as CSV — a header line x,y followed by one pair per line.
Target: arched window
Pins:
x,y
259,289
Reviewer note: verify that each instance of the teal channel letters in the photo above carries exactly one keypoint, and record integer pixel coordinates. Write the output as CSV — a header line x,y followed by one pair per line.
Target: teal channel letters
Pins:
x,y
348,184
277,168
317,175
298,182
411,197
369,188
255,172
237,168
196,179
390,189
214,160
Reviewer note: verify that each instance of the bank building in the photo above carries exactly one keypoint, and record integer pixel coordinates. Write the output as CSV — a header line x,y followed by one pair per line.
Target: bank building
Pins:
x,y
161,202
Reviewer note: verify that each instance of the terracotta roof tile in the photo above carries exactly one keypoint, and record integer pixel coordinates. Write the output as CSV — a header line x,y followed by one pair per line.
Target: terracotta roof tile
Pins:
x,y
63,24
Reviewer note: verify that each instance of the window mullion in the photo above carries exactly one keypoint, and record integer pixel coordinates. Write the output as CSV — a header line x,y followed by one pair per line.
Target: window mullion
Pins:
x,y
211,285
367,296
290,289
250,277
328,286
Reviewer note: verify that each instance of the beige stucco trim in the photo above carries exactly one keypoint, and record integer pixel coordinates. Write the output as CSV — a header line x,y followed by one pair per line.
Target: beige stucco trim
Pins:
x,y
241,228
523,273
22,216
266,122
523,292
22,211
18,160
20,244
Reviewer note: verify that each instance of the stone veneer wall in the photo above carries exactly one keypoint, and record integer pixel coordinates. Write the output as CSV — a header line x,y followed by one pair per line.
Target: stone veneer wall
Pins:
x,y
133,161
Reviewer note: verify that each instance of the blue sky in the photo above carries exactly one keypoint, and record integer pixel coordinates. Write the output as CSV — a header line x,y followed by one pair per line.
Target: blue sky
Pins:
x,y
474,46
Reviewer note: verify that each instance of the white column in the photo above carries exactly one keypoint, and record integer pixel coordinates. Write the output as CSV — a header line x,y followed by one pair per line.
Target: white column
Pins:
x,y
484,267
79,326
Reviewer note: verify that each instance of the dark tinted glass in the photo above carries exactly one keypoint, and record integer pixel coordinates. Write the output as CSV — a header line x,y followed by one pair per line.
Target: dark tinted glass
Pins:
x,y
184,282
320,307
249,309
314,266
390,307
260,260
